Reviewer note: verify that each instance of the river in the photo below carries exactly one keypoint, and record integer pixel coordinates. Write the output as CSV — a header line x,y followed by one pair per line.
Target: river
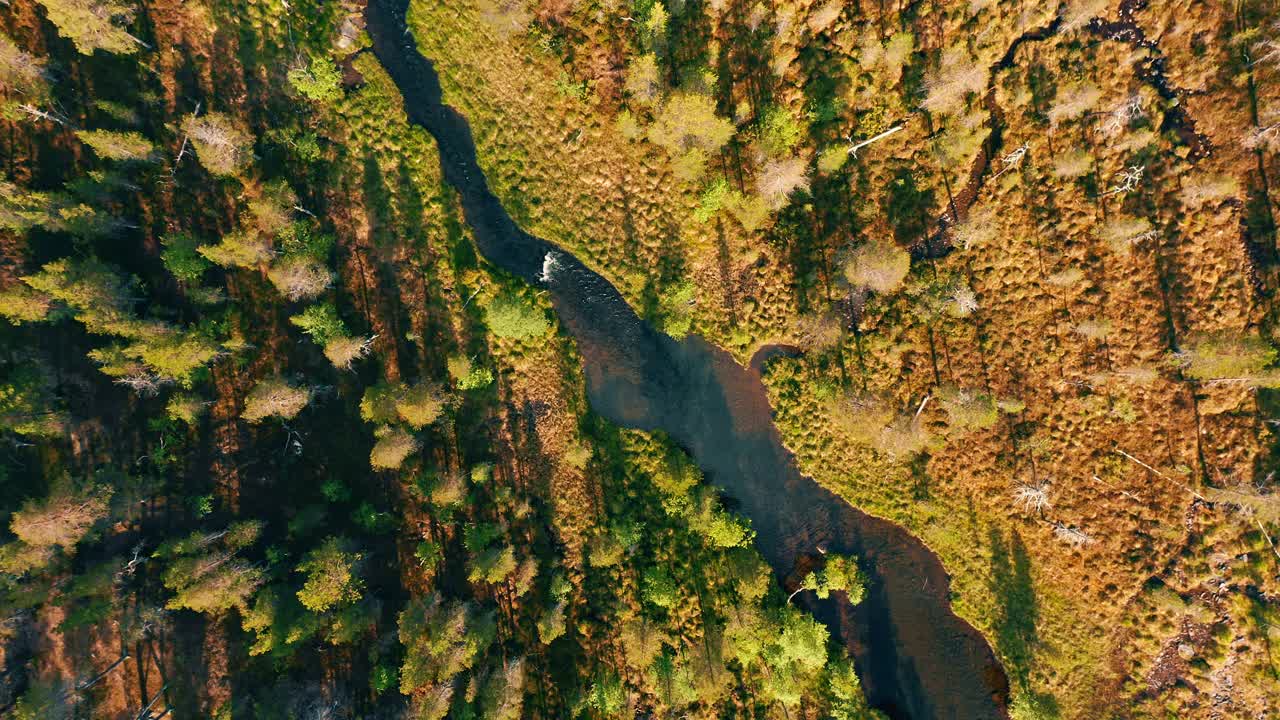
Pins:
x,y
917,660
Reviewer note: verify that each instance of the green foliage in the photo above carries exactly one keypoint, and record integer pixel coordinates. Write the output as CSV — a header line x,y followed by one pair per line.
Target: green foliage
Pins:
x,y
115,145
551,624
677,309
803,640
420,404
27,404
428,553
441,639
93,25
416,405
182,258
393,447
274,397
238,249
511,316
840,572
1227,356
204,572
321,322
688,122
467,375
644,80
371,520
493,565
845,694
658,588
719,528
22,209
605,551
607,695
42,701
717,195
335,491
21,304
332,576
379,403
780,131
967,409
832,159
320,80
279,623
1030,706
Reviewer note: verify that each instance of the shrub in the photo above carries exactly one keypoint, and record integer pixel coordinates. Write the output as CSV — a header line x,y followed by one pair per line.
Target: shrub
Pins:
x,y
321,322
1225,356
274,397
658,588
511,316
967,409
182,258
687,121
332,577
421,404
319,80
187,408
879,265
394,446
644,80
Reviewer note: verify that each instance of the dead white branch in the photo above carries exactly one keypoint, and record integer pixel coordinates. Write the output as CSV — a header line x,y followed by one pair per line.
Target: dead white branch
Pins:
x,y
855,147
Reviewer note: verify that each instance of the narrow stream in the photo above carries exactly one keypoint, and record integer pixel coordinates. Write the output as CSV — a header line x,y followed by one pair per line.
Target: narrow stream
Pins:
x,y
917,660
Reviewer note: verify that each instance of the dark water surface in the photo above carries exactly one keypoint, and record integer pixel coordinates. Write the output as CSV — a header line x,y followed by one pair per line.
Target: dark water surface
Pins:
x,y
917,660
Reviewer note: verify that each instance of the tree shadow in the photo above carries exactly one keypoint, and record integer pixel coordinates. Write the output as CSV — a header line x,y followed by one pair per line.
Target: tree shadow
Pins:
x,y
1018,608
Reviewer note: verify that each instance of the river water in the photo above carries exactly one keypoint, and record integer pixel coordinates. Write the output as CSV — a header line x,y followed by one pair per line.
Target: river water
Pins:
x,y
917,660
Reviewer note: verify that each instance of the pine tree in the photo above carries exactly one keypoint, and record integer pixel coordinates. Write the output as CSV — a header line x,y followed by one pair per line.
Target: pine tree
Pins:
x,y
94,25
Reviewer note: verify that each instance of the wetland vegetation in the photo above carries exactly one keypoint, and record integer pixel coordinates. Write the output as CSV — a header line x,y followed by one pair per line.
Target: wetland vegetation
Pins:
x,y
639,358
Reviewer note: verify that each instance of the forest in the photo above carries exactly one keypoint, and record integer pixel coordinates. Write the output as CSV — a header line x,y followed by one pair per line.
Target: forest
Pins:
x,y
288,432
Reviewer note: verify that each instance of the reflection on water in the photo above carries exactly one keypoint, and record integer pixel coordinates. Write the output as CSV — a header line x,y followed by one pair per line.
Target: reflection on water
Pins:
x,y
916,658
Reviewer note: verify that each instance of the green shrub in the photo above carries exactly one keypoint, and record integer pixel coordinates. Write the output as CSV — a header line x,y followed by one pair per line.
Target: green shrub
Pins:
x,y
511,316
